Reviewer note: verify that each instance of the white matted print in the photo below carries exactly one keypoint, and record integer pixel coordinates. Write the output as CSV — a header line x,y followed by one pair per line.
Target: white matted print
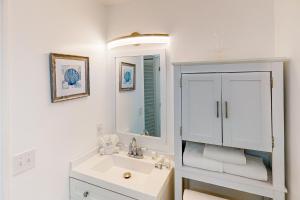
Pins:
x,y
127,77
69,77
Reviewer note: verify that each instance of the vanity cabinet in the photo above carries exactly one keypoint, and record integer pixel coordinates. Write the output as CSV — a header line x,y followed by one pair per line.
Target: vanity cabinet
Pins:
x,y
83,191
230,109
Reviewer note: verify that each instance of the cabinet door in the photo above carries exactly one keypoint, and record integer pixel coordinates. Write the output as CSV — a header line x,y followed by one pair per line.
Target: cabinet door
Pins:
x,y
247,110
201,108
78,189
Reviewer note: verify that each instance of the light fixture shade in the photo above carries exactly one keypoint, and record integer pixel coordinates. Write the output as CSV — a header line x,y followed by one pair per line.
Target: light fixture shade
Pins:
x,y
137,38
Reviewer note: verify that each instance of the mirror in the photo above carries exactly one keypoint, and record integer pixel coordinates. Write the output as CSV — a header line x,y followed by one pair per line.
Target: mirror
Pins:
x,y
138,95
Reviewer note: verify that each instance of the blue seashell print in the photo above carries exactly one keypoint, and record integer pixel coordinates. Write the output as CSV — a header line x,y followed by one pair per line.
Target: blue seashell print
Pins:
x,y
127,76
72,76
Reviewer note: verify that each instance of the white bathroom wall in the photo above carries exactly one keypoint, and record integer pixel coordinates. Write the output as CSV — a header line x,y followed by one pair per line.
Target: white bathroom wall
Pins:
x,y
287,32
1,105
5,146
58,132
130,104
200,30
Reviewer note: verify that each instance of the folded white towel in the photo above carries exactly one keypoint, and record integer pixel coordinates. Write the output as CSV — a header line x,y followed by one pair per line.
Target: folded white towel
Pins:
x,y
254,169
193,157
192,195
225,154
101,142
108,139
114,139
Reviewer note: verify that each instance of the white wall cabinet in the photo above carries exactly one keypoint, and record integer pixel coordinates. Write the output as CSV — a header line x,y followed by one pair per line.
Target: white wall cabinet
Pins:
x,y
230,109
235,104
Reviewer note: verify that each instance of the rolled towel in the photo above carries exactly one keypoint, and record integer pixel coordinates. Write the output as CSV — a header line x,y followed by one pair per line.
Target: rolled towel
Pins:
x,y
193,157
114,139
192,195
101,142
254,169
225,154
107,139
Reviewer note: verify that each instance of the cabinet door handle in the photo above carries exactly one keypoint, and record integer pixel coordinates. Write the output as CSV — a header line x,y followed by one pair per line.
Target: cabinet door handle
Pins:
x,y
226,109
217,109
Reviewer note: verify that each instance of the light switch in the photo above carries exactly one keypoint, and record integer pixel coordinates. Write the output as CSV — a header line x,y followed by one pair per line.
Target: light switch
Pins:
x,y
18,166
30,159
23,162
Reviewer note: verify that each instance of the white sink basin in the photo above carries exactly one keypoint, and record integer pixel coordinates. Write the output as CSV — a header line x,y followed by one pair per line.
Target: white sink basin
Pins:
x,y
113,163
146,182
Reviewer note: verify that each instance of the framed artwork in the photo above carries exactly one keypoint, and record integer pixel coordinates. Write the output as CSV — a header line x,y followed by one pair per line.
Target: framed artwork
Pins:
x,y
69,76
127,77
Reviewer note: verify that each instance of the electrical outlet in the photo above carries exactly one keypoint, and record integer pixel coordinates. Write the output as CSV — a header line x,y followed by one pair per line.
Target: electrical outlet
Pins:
x,y
23,162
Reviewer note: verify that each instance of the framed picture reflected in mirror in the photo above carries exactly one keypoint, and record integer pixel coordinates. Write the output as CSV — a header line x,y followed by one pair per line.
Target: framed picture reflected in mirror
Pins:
x,y
127,77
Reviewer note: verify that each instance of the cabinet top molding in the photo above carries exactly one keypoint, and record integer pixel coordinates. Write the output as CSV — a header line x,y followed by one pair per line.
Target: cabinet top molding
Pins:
x,y
232,61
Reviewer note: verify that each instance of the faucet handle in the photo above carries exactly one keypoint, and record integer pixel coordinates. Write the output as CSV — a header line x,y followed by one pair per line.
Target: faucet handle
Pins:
x,y
133,141
163,162
158,165
167,163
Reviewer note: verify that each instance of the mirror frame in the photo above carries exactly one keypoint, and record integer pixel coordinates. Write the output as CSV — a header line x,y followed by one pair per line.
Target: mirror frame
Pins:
x,y
145,141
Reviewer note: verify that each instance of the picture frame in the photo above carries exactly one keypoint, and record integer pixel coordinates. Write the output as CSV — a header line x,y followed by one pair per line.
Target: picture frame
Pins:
x,y
69,77
127,78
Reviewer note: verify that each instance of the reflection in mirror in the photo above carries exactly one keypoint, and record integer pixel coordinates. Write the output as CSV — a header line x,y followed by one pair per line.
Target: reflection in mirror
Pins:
x,y
138,96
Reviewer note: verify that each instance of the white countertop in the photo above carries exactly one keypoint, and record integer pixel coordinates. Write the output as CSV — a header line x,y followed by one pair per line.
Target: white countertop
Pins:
x,y
141,187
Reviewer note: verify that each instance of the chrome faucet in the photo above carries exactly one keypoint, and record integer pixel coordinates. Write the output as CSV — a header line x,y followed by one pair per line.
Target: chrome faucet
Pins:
x,y
134,150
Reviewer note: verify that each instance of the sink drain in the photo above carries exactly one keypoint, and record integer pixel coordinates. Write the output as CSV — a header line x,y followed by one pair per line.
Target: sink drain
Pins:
x,y
127,175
